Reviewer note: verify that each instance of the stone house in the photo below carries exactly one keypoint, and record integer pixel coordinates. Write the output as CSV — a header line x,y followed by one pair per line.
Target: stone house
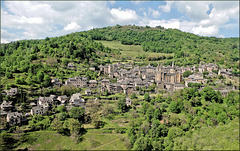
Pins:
x,y
92,83
38,110
77,81
88,92
55,100
147,69
12,92
71,65
63,99
225,72
107,69
178,87
139,83
207,67
211,66
194,78
46,102
201,69
5,106
104,82
148,76
76,100
56,82
168,86
5,109
114,88
111,75
224,93
14,118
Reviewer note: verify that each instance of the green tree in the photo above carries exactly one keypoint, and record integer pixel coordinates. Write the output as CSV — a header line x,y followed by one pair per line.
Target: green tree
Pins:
x,y
74,127
77,113
57,125
222,117
187,73
147,97
174,107
40,76
7,141
142,143
133,96
62,116
96,120
46,80
122,104
61,108
209,94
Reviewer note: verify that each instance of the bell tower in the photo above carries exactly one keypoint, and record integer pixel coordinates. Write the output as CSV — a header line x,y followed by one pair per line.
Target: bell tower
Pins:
x,y
158,74
172,70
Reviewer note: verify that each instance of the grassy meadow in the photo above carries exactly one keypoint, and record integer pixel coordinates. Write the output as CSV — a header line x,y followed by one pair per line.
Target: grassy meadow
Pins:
x,y
130,52
94,139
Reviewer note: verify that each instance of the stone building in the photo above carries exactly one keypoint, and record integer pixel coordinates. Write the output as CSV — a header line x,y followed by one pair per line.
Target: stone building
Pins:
x,y
104,82
77,100
5,106
194,78
38,110
63,99
207,67
14,118
56,82
88,92
77,81
92,83
71,65
5,109
12,92
167,75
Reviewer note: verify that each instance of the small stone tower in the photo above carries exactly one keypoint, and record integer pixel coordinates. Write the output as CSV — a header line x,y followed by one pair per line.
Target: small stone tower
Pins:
x,y
158,75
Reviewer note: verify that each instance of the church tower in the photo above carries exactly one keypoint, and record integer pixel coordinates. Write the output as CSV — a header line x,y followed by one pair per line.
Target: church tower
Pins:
x,y
172,70
158,74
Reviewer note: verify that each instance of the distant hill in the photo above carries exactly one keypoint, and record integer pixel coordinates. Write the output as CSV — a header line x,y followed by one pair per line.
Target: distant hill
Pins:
x,y
191,47
101,45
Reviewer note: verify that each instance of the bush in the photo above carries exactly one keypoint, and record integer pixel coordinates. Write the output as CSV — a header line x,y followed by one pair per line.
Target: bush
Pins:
x,y
107,131
121,131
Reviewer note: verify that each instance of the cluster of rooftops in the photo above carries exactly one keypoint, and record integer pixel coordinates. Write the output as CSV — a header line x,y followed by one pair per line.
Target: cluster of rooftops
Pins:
x,y
129,79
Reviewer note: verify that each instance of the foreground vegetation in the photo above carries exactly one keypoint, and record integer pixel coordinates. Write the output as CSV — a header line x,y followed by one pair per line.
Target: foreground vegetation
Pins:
x,y
189,119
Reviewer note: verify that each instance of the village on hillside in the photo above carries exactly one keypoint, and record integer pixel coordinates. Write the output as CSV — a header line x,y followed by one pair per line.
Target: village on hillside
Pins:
x,y
126,79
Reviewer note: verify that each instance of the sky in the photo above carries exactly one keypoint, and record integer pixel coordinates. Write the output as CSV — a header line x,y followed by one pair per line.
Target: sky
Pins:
x,y
41,19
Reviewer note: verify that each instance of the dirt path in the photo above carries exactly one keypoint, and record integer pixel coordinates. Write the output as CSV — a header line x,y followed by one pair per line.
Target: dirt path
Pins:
x,y
104,144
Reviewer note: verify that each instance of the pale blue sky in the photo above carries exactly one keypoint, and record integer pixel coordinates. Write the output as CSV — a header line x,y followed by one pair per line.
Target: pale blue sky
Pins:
x,y
39,19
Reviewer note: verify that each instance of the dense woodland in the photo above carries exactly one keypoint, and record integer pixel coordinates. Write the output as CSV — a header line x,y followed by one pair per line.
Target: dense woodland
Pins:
x,y
187,119
175,122
184,45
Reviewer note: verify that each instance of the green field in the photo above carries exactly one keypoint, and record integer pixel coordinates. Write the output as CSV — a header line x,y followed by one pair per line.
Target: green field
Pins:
x,y
130,50
93,139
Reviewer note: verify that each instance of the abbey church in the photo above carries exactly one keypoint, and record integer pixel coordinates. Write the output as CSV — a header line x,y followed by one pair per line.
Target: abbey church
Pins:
x,y
167,77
